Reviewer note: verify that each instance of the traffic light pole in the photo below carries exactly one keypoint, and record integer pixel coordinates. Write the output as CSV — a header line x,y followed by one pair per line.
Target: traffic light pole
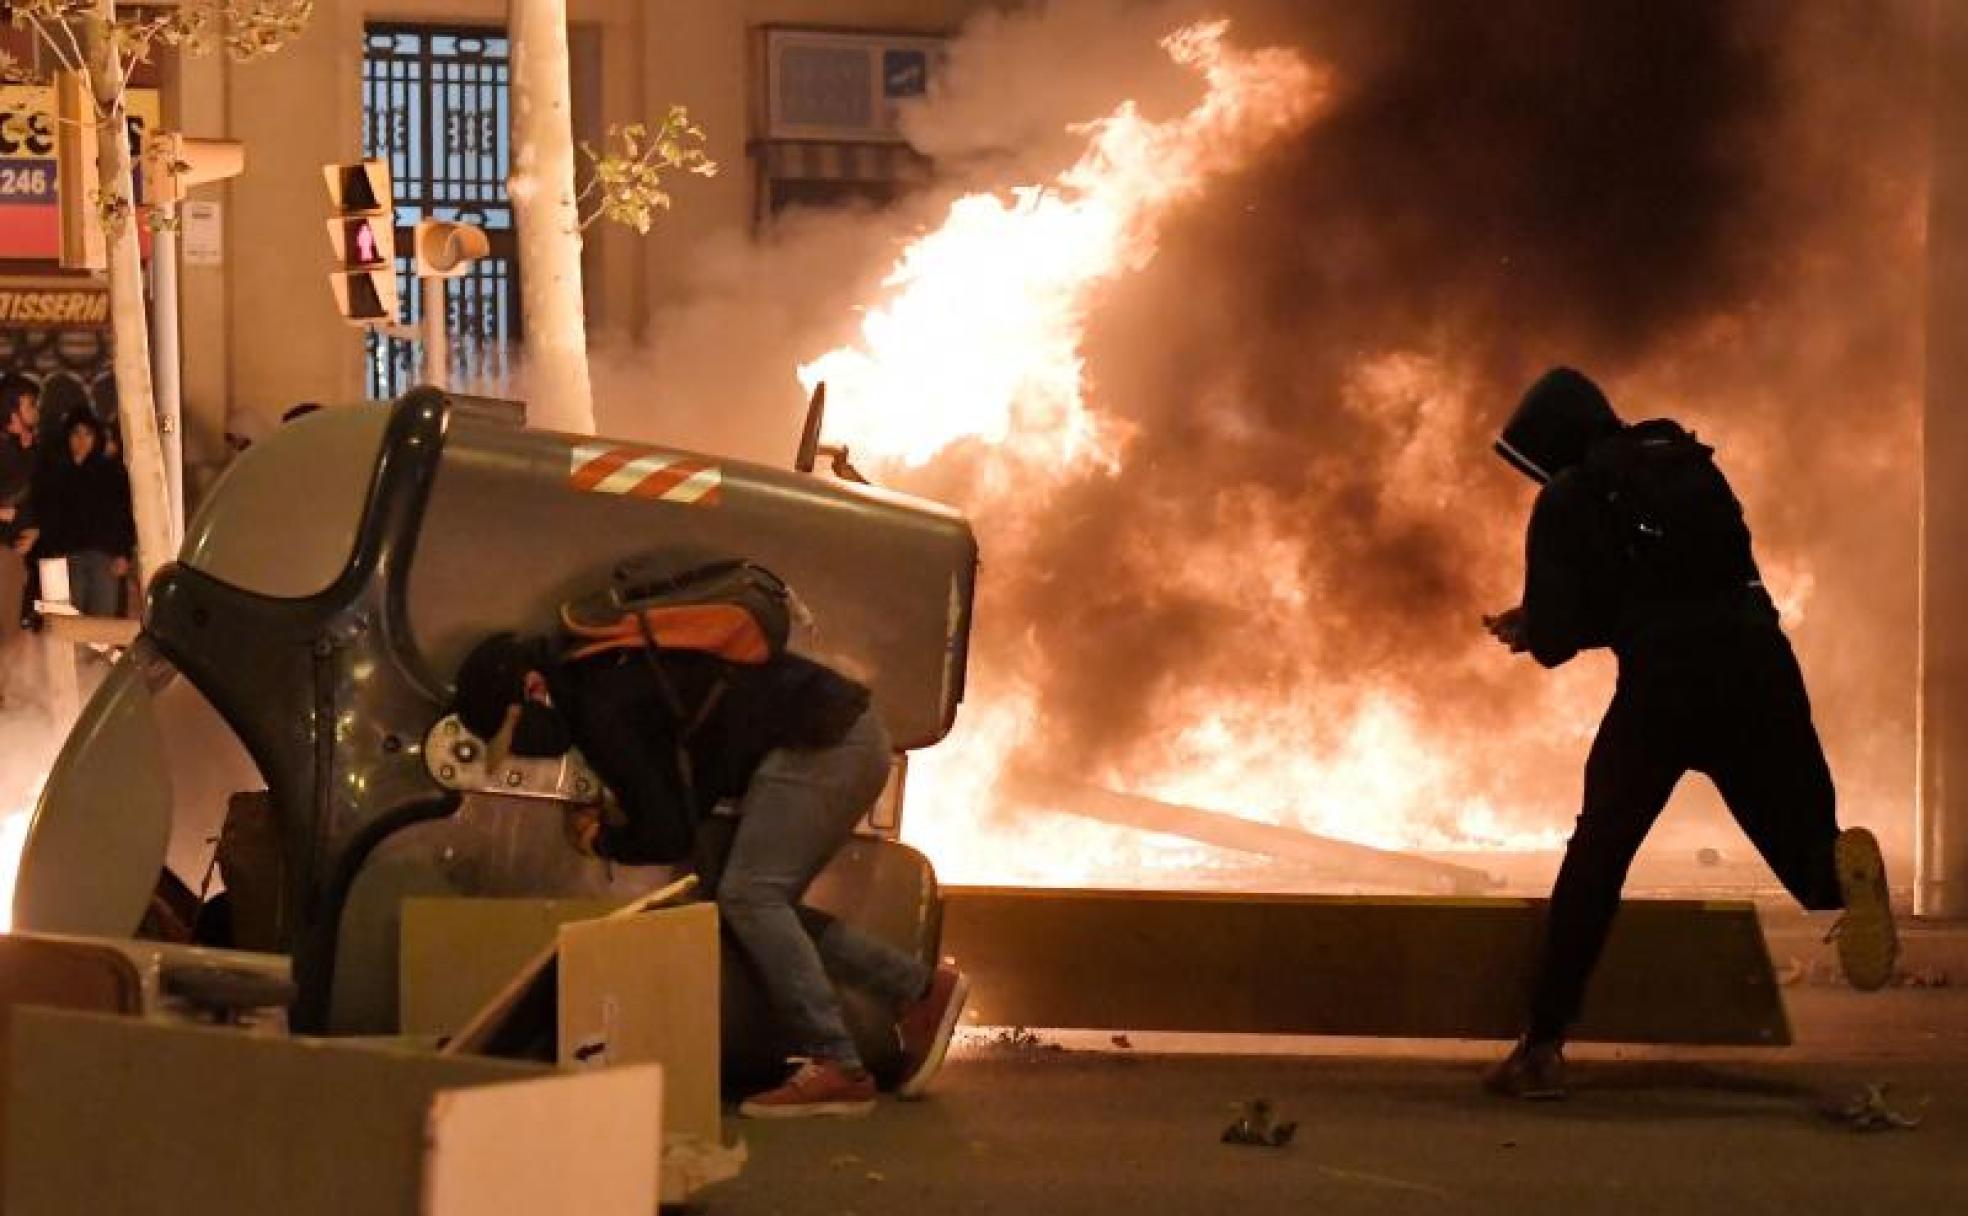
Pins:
x,y
165,366
436,336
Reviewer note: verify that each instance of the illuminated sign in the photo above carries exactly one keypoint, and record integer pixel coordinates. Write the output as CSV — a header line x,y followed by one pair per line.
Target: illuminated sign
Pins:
x,y
30,219
54,307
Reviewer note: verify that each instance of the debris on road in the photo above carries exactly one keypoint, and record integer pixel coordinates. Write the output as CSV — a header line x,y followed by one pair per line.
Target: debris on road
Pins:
x,y
1257,1125
1123,1042
1868,1111
1924,977
1016,1040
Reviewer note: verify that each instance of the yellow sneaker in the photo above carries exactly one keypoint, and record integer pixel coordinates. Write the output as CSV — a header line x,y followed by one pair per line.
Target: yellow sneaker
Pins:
x,y
1868,947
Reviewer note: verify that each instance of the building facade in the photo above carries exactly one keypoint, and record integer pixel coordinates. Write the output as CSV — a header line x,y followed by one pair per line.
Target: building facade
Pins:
x,y
422,83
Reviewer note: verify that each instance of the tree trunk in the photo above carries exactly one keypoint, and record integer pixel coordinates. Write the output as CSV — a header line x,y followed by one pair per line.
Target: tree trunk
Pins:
x,y
143,453
555,367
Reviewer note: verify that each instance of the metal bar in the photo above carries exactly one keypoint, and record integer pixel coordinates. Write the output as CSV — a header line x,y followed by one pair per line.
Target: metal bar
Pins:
x,y
166,366
1343,860
1675,971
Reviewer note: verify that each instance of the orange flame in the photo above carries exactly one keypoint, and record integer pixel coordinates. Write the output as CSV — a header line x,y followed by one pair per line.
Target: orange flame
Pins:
x,y
978,340
980,337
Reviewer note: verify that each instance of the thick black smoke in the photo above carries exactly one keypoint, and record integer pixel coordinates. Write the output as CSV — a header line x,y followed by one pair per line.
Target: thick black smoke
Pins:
x,y
1642,190
1712,206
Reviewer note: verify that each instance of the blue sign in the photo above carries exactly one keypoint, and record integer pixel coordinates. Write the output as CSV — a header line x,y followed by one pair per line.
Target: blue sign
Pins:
x,y
27,181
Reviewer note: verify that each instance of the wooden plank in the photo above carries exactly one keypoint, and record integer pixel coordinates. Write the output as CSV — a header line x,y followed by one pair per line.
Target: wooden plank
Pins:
x,y
1349,863
1675,971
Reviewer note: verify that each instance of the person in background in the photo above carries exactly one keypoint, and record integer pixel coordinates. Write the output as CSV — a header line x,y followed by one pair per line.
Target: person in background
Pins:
x,y
1637,543
20,407
80,503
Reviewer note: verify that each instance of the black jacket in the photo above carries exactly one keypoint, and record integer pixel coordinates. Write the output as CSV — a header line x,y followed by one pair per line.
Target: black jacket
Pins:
x,y
81,508
624,723
1598,573
1636,535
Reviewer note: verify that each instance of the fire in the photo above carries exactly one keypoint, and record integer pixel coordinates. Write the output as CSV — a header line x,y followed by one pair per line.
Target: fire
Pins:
x,y
13,841
980,337
976,347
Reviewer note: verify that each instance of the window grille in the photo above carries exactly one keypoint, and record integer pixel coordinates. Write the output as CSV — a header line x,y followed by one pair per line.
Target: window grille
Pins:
x,y
435,105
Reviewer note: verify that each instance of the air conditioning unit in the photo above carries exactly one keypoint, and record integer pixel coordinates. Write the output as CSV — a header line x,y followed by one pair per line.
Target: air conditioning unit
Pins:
x,y
844,87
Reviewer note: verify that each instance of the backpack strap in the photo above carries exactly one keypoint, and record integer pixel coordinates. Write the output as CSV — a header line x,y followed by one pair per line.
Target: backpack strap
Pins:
x,y
687,723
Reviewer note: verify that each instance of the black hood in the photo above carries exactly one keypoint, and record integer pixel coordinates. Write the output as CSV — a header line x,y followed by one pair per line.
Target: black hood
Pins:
x,y
1560,417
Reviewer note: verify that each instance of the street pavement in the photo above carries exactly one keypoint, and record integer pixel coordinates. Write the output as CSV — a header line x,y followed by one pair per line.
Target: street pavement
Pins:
x,y
1078,1123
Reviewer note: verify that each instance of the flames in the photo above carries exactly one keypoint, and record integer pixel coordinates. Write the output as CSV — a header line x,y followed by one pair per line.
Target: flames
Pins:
x,y
979,338
13,840
976,349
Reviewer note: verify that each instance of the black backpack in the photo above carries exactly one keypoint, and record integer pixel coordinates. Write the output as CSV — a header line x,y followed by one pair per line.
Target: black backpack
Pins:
x,y
1678,527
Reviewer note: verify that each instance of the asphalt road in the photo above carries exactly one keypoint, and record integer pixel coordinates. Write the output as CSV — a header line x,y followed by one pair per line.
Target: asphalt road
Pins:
x,y
1076,1124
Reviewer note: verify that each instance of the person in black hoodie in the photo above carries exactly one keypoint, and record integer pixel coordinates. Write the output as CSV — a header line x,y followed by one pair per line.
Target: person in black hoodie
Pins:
x,y
1637,543
802,753
80,506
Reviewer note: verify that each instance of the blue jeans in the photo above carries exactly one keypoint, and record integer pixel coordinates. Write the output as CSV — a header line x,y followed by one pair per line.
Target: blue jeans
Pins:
x,y
799,809
93,587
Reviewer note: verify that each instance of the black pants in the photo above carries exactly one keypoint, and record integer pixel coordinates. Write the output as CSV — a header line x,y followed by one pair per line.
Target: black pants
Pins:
x,y
1727,701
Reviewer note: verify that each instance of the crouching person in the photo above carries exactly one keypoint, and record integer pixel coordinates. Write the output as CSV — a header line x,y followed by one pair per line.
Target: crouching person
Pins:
x,y
800,751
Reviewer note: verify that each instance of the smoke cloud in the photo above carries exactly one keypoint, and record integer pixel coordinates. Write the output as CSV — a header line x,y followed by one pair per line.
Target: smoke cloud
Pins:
x,y
1714,208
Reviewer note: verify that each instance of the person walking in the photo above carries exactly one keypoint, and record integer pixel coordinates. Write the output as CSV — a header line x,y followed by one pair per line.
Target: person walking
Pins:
x,y
1637,543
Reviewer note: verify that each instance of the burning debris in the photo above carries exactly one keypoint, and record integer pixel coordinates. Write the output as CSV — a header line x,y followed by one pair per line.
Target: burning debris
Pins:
x,y
1217,387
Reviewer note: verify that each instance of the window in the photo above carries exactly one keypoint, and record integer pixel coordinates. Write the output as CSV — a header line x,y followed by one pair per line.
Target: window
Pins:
x,y
435,105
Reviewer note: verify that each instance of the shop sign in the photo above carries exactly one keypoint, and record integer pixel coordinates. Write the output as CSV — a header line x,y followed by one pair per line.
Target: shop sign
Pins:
x,y
30,215
54,308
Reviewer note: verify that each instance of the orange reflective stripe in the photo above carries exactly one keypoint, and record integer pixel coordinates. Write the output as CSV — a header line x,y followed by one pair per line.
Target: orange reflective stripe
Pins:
x,y
591,474
668,478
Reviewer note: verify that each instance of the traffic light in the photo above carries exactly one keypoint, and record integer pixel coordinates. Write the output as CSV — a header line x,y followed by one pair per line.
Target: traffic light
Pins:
x,y
174,162
445,250
362,230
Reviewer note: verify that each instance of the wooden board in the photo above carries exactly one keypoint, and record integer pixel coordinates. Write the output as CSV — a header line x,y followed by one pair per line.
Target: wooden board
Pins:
x,y
644,989
536,981
129,1115
456,953
1675,971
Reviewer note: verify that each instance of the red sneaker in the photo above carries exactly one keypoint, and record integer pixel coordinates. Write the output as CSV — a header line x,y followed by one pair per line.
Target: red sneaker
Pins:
x,y
817,1087
927,1026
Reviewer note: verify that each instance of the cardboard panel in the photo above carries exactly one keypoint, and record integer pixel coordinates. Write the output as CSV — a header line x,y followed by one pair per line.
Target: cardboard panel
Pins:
x,y
644,989
1675,971
129,1116
579,1143
63,975
457,953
